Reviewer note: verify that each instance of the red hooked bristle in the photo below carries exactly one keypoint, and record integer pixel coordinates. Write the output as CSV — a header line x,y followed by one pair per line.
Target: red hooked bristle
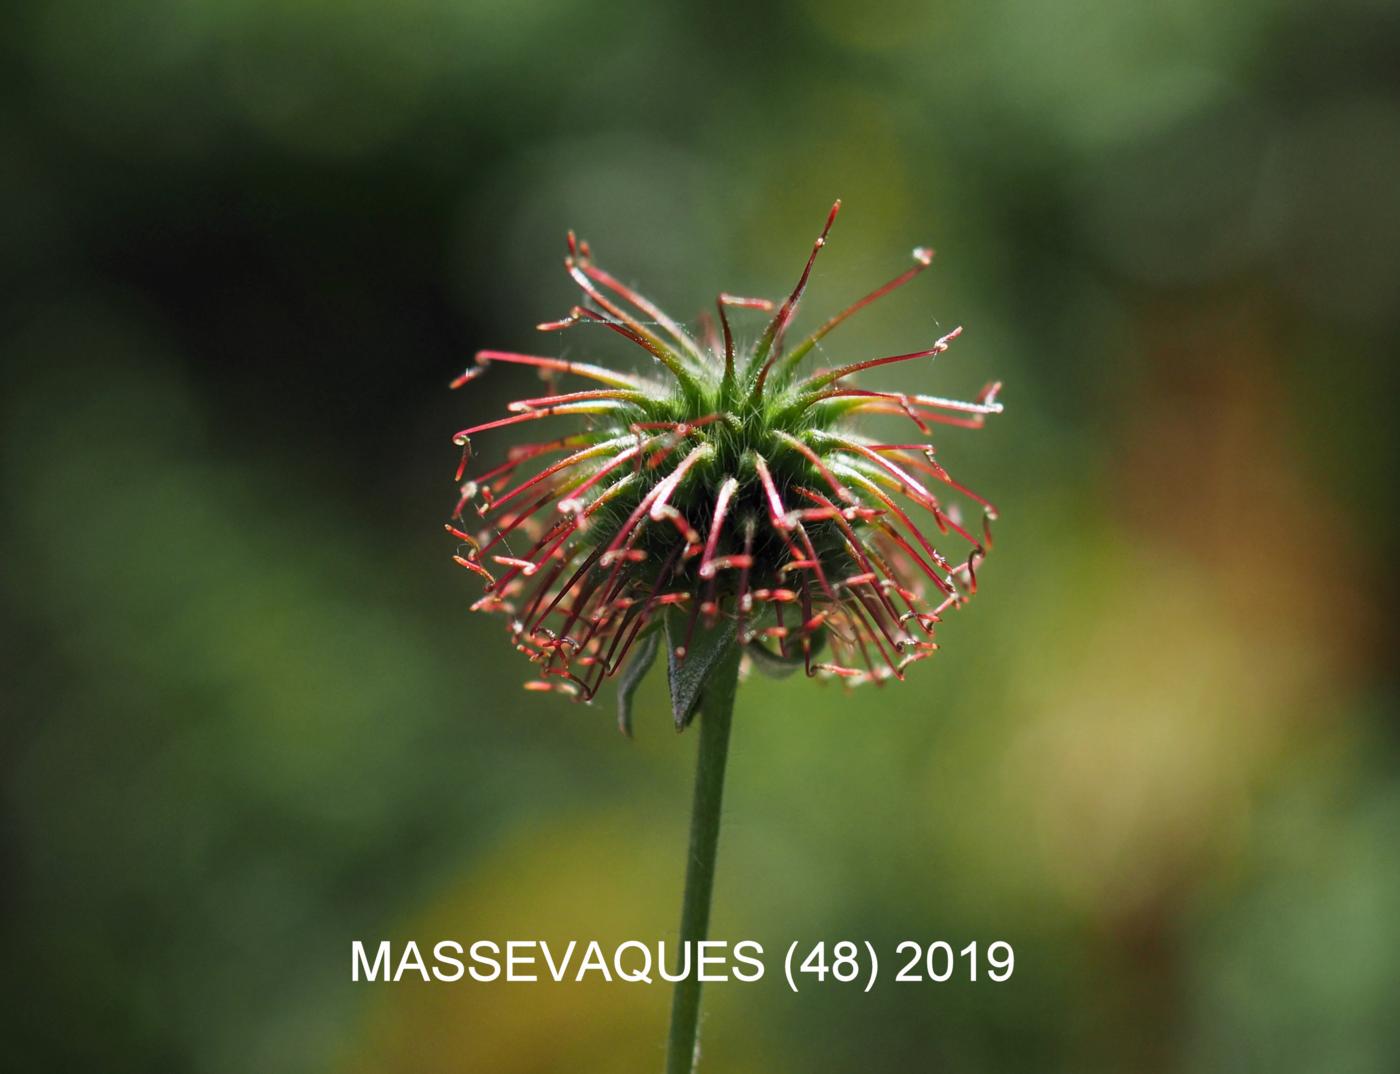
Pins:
x,y
647,307
770,343
559,365
707,568
476,568
777,514
853,542
821,379
811,456
467,376
550,401
658,351
648,338
726,299
923,256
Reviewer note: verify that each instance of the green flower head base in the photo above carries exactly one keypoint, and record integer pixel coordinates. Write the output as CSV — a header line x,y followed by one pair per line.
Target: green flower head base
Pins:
x,y
724,492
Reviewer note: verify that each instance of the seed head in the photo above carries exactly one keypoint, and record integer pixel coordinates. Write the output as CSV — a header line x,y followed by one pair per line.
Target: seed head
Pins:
x,y
725,490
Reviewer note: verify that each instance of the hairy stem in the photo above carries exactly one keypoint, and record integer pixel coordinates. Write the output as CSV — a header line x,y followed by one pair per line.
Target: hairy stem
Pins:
x,y
716,714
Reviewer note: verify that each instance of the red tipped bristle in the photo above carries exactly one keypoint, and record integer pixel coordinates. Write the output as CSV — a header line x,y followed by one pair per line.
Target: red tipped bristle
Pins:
x,y
548,472
500,423
504,529
603,471
877,634
912,487
724,300
852,540
653,342
739,302
811,456
777,514
527,567
822,379
815,561
920,419
647,307
770,343
658,494
923,257
837,669
726,493
567,587
475,568
560,365
523,452
893,534
466,377
659,352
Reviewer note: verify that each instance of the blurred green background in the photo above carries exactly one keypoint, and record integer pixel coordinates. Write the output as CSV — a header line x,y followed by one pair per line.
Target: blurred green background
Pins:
x,y
249,718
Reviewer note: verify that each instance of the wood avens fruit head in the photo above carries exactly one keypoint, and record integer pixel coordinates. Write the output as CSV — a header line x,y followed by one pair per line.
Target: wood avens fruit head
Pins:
x,y
724,496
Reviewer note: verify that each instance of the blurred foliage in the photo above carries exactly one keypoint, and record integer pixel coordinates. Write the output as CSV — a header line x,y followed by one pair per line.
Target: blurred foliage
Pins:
x,y
250,719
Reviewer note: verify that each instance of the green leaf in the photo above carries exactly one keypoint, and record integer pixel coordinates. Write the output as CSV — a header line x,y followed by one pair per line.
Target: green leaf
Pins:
x,y
779,666
708,647
632,677
772,664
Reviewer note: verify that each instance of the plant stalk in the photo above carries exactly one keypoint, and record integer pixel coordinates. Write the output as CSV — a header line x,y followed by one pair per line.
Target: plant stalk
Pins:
x,y
716,715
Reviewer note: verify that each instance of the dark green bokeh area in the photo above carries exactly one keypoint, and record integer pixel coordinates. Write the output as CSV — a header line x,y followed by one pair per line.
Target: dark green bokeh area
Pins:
x,y
248,718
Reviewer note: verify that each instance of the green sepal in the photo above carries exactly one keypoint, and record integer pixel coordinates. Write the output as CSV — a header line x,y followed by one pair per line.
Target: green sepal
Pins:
x,y
708,647
775,664
632,676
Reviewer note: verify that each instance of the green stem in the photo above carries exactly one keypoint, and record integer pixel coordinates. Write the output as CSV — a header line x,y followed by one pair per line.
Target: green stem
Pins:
x,y
716,714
